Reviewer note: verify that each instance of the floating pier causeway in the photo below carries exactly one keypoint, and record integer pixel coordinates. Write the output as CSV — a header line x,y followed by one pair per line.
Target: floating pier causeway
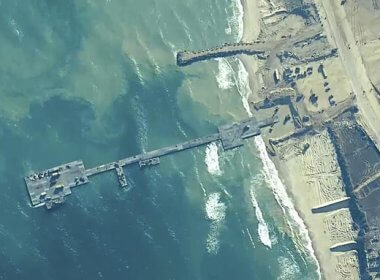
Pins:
x,y
50,187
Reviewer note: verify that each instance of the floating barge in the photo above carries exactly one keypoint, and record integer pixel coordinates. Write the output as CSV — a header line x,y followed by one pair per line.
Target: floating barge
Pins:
x,y
50,187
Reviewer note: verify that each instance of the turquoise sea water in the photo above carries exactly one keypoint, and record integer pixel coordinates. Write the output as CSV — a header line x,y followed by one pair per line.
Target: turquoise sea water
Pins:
x,y
96,80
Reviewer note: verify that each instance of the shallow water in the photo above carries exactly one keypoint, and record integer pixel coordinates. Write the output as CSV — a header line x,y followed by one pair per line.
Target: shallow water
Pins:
x,y
97,81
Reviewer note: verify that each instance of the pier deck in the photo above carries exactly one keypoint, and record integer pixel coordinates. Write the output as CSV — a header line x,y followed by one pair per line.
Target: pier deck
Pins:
x,y
51,186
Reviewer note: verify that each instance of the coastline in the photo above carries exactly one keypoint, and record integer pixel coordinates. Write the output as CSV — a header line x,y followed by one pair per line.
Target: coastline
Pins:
x,y
251,31
251,20
302,182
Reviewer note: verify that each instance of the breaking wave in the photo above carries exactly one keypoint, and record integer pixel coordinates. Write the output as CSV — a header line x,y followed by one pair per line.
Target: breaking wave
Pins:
x,y
269,170
235,27
271,175
283,199
235,21
228,78
262,228
212,159
216,213
243,86
225,76
289,269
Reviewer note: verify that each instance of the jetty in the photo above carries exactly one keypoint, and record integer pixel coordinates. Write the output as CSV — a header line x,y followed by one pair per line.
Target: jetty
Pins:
x,y
50,187
262,48
229,49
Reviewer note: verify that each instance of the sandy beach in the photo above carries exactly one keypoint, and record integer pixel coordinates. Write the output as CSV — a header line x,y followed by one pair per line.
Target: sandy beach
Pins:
x,y
251,31
251,20
307,189
314,179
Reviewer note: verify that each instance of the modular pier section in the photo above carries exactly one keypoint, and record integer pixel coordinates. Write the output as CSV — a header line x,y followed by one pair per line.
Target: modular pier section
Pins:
x,y
50,187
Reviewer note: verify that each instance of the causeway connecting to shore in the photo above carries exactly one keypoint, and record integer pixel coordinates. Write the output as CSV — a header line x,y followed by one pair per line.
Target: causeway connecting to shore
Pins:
x,y
229,49
260,48
50,187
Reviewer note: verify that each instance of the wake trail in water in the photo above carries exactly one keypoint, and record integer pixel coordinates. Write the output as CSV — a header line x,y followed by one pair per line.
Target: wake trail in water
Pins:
x,y
250,237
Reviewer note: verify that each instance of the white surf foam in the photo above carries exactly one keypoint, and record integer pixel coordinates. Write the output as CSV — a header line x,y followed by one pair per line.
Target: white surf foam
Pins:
x,y
262,228
295,222
228,29
216,212
235,21
270,172
212,159
225,76
239,15
243,86
289,269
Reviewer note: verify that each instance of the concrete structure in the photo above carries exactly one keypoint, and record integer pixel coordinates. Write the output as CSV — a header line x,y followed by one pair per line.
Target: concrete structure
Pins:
x,y
120,175
332,205
50,187
283,48
344,247
256,48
